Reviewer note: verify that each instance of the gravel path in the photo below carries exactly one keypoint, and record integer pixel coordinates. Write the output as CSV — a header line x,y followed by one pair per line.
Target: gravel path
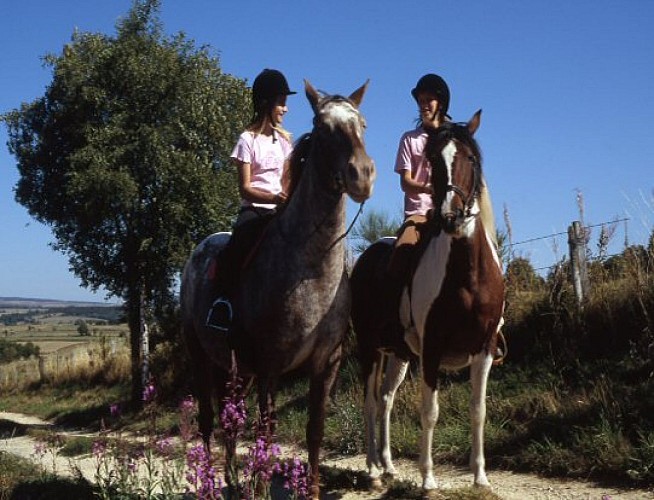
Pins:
x,y
507,485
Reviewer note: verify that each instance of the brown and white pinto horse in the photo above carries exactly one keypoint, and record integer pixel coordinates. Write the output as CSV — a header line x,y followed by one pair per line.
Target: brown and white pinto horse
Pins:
x,y
292,302
448,313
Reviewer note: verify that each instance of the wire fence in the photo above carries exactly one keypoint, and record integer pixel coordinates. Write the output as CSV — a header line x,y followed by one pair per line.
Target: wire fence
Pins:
x,y
603,240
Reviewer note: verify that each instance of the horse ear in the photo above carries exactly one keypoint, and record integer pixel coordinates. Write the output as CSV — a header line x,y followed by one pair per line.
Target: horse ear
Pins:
x,y
357,96
312,95
474,122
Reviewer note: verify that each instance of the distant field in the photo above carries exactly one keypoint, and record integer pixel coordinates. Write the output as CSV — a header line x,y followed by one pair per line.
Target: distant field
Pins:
x,y
54,336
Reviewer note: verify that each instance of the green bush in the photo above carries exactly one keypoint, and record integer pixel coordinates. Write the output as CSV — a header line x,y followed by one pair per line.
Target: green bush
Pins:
x,y
11,351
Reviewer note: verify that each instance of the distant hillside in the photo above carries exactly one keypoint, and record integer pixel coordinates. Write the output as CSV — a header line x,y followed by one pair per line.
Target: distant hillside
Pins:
x,y
31,303
18,310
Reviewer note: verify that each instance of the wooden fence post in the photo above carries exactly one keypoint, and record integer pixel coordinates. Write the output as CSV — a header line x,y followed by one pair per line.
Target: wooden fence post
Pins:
x,y
578,269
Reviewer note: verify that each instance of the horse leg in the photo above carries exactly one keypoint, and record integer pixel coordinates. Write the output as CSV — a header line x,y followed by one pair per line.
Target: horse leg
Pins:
x,y
395,373
372,373
479,371
322,380
203,384
428,419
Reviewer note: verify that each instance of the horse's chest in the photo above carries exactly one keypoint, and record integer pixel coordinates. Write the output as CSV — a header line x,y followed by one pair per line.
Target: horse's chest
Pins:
x,y
450,300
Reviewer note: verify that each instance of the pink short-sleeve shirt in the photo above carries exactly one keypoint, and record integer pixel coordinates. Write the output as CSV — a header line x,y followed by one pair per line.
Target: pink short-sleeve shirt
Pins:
x,y
410,156
266,158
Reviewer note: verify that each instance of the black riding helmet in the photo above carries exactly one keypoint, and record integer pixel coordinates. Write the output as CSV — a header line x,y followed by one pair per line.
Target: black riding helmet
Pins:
x,y
267,85
434,84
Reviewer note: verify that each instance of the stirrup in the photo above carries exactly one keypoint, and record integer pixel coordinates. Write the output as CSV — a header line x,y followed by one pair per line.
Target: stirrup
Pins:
x,y
220,315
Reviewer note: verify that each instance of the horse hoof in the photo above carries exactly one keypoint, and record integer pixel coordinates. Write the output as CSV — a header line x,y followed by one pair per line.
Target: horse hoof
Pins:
x,y
390,472
376,484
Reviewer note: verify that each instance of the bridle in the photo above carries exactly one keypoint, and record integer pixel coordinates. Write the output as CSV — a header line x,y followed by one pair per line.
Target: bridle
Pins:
x,y
319,126
336,182
436,143
470,198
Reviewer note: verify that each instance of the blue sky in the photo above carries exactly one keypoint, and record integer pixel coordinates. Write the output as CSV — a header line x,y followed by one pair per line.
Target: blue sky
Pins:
x,y
565,88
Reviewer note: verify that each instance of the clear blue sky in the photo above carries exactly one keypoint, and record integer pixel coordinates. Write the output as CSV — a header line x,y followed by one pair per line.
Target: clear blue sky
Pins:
x,y
566,89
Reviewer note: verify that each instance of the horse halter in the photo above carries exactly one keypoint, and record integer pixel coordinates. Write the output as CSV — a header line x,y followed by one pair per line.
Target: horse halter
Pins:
x,y
320,126
437,142
471,197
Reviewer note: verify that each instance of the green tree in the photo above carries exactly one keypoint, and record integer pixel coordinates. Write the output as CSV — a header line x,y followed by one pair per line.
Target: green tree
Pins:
x,y
126,157
520,275
372,226
83,328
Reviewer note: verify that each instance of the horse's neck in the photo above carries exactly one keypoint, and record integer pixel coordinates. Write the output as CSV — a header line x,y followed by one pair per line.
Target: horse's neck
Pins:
x,y
315,215
471,253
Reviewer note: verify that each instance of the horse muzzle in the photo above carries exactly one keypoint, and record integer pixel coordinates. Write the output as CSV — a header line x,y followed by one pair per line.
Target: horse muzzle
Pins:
x,y
360,178
452,222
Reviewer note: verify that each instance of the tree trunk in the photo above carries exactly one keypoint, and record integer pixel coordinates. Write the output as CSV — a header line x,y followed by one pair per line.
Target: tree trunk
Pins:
x,y
145,343
134,322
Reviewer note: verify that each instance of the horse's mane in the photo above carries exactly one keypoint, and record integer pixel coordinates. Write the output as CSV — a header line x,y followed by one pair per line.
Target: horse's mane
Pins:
x,y
296,163
436,141
437,138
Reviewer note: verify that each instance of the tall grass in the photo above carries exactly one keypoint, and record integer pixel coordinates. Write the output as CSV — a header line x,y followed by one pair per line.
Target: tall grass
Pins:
x,y
574,398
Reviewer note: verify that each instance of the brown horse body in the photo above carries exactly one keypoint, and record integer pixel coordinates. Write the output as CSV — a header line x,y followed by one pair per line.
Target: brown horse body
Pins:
x,y
292,304
449,312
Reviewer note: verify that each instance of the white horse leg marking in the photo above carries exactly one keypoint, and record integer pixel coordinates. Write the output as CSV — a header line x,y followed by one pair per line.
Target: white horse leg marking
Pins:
x,y
428,419
479,370
371,404
395,373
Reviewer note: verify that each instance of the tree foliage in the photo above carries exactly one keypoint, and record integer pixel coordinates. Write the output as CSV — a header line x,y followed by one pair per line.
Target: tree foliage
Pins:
x,y
520,275
372,226
126,155
11,351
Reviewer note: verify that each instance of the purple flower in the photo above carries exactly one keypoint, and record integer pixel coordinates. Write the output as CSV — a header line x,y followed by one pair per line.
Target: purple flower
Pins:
x,y
114,410
40,449
149,392
233,417
201,474
187,423
99,449
164,446
261,462
296,476
187,406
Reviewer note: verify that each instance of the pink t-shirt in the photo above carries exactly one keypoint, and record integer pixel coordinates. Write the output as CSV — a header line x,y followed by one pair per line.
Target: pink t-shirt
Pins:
x,y
410,156
266,158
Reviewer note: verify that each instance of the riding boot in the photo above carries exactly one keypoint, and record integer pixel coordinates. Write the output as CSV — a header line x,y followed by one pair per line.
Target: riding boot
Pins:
x,y
247,232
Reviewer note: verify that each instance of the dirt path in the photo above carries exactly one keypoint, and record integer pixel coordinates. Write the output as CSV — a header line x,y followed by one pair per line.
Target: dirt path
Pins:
x,y
507,485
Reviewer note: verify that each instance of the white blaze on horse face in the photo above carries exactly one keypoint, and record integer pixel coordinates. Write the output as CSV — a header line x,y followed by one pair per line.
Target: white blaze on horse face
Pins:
x,y
342,113
448,153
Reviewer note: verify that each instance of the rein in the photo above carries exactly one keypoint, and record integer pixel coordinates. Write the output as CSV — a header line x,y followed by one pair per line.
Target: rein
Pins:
x,y
338,183
347,231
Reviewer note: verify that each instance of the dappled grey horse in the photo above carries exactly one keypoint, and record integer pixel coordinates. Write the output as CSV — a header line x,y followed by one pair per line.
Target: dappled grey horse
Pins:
x,y
292,304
